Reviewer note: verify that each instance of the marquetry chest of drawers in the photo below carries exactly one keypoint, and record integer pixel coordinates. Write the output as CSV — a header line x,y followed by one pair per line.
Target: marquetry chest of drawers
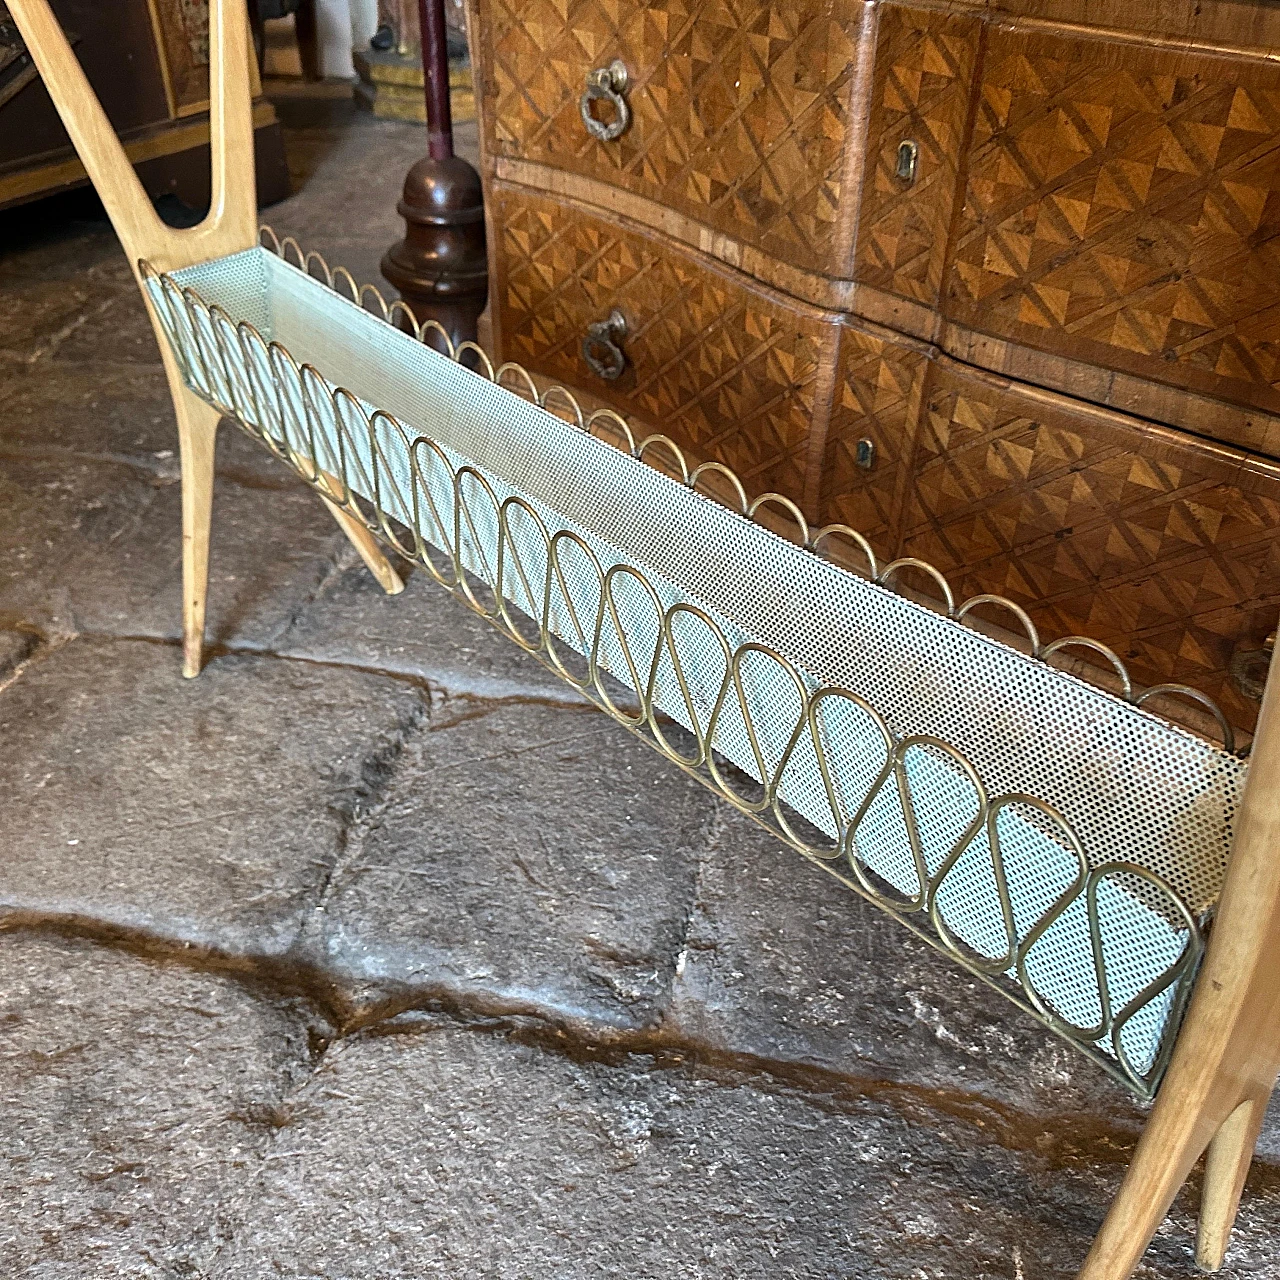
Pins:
x,y
997,285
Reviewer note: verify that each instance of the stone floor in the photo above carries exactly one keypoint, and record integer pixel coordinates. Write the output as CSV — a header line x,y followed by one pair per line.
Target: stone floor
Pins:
x,y
373,953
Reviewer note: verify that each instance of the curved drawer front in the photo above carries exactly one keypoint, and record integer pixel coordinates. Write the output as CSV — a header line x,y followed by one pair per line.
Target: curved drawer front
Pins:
x,y
916,120
737,120
1164,548
1122,209
727,371
875,402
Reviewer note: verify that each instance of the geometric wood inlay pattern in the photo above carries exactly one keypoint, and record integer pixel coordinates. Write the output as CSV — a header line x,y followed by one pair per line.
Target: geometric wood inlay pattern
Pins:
x,y
923,79
1165,549
1122,208
738,106
1110,205
726,372
877,397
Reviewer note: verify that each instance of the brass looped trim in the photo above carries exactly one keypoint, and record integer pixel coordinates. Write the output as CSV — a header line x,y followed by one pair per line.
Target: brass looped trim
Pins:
x,y
664,444
844,531
1203,699
612,416
781,500
371,290
353,287
510,366
401,315
913,562
558,392
481,354
1083,642
436,329
1017,610
718,468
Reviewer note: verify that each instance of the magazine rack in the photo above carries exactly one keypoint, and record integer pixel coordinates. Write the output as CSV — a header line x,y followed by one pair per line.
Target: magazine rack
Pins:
x,y
1062,842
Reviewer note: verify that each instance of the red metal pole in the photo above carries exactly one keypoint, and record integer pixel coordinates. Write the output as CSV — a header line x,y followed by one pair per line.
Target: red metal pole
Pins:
x,y
440,267
435,70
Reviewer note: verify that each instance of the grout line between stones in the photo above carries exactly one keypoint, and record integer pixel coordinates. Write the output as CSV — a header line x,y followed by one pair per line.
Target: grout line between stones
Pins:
x,y
429,1007
437,691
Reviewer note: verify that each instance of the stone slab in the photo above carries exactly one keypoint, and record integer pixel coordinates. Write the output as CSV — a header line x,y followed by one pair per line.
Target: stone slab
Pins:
x,y
524,858
208,812
114,412
786,964
137,1097
96,547
120,333
478,1155
111,413
39,312
424,632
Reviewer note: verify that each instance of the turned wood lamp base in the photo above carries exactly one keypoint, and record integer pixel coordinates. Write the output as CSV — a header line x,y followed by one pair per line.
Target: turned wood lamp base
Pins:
x,y
440,267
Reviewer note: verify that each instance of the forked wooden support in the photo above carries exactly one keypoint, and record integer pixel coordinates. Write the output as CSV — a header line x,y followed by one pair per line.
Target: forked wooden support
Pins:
x,y
231,225
1227,1055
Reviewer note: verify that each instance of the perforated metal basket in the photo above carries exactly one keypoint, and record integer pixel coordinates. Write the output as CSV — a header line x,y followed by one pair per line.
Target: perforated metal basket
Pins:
x,y
1060,842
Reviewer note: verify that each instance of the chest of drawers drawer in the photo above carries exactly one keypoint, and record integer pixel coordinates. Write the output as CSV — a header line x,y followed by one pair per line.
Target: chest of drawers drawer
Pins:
x,y
724,368
738,120
1122,209
1165,547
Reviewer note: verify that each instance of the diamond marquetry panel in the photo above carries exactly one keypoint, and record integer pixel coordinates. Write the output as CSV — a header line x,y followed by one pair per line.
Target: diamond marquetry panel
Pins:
x,y
923,79
1165,549
1122,208
877,397
726,372
738,106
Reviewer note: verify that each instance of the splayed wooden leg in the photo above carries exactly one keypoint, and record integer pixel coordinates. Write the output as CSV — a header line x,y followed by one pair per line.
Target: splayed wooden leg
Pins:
x,y
197,440
367,545
1226,1167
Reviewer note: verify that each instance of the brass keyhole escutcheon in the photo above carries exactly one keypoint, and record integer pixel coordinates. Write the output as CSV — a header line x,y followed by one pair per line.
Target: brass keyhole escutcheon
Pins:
x,y
1249,668
908,161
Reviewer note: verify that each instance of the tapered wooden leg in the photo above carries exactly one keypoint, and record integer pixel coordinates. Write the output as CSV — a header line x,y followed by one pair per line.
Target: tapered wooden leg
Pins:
x,y
1226,1166
367,545
1176,1134
197,439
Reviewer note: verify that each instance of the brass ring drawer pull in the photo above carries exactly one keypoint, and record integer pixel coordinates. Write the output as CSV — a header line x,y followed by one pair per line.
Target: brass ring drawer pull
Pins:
x,y
1249,668
606,84
600,347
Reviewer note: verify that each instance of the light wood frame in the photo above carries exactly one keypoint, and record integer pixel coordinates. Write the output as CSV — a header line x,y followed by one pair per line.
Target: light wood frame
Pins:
x,y
1227,1056
231,225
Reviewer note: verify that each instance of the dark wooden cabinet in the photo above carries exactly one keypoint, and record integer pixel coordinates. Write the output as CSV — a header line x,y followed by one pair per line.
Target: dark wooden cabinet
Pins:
x,y
148,62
